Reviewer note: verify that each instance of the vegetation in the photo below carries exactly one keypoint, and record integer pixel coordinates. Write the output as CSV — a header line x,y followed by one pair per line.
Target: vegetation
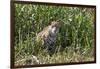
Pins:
x,y
75,41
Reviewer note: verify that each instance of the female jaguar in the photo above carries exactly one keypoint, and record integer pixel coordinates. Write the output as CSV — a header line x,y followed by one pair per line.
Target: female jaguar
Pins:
x,y
48,36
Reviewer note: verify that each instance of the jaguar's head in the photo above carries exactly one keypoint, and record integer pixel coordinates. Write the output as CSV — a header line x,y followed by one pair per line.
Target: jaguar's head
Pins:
x,y
54,27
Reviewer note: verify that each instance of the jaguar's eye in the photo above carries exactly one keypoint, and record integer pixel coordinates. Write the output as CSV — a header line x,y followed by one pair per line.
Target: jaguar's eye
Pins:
x,y
53,26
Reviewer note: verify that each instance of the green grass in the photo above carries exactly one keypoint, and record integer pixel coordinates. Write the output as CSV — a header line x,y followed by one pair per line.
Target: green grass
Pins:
x,y
75,40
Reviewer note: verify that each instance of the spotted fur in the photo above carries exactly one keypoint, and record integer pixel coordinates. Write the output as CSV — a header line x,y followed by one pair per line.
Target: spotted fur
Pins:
x,y
48,36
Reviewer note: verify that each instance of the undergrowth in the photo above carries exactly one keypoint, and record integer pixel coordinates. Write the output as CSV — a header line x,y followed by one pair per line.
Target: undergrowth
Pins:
x,y
75,40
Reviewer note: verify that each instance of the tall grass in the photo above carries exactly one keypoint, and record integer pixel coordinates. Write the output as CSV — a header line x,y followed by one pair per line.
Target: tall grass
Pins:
x,y
75,40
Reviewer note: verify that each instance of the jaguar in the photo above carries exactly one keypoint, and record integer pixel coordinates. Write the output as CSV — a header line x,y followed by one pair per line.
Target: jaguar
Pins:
x,y
48,36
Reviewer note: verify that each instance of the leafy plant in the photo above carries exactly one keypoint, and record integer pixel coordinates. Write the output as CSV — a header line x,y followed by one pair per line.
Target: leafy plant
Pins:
x,y
75,41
